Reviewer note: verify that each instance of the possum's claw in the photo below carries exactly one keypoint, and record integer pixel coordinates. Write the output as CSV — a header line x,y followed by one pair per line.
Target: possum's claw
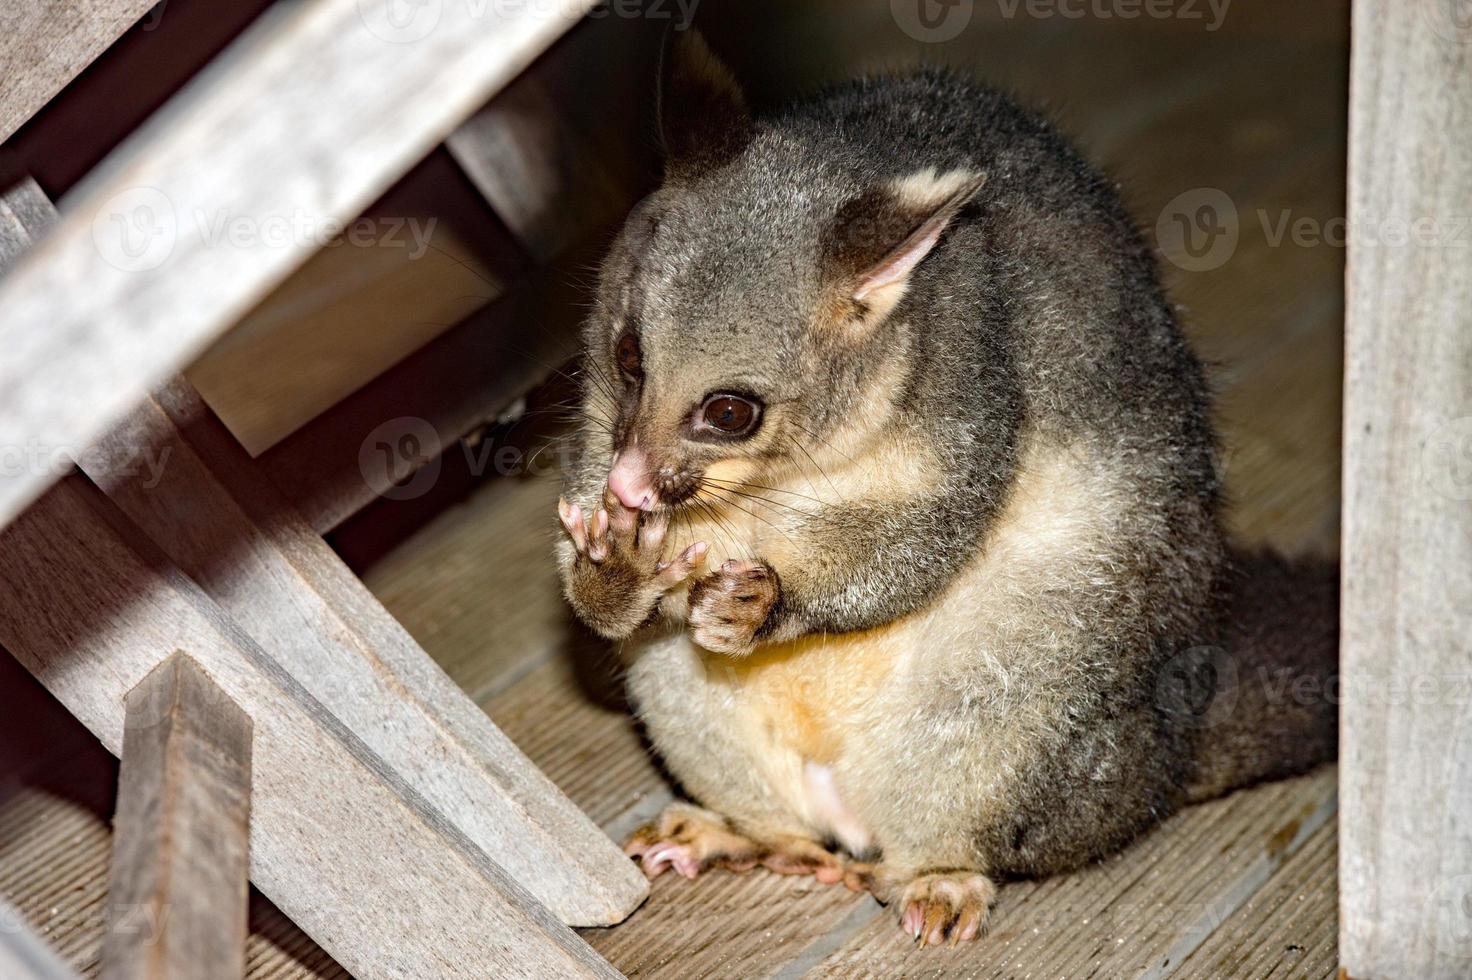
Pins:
x,y
947,905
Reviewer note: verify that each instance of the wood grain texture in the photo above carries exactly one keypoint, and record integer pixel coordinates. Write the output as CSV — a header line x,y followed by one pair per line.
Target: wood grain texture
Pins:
x,y
175,471
333,467
1405,841
1288,929
23,955
178,890
43,46
338,841
54,857
180,476
300,124
538,174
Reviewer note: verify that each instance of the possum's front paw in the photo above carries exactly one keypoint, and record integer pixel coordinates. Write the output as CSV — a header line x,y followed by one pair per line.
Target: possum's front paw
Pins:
x,y
618,575
730,609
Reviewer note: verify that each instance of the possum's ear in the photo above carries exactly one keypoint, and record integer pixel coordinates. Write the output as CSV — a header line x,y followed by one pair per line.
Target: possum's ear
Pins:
x,y
703,116
880,237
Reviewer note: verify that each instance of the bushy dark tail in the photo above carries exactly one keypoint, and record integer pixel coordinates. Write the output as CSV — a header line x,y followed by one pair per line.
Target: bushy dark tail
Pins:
x,y
1275,707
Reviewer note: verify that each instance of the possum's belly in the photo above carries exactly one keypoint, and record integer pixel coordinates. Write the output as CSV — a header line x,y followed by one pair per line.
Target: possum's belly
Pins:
x,y
765,739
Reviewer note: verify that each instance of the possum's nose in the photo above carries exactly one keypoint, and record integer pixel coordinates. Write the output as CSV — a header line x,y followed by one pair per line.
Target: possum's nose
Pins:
x,y
629,480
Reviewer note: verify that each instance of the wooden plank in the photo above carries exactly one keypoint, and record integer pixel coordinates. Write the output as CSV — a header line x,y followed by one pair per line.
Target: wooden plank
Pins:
x,y
333,467
1405,841
537,173
178,887
342,845
279,580
43,46
54,857
297,127
23,955
285,587
1138,914
1290,928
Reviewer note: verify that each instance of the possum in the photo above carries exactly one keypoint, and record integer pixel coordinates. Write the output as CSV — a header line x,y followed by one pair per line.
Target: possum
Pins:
x,y
896,483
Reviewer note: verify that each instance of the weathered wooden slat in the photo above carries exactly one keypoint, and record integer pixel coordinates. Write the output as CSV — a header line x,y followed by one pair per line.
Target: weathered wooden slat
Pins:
x,y
536,174
178,888
1405,840
176,472
43,46
181,477
294,129
24,956
338,841
333,467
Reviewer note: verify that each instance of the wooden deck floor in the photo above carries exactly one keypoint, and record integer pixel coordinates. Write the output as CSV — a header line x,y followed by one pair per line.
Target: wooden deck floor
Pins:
x,y
1243,886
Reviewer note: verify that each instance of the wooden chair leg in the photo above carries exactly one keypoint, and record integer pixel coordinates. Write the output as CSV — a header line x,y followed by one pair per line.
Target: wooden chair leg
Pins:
x,y
178,888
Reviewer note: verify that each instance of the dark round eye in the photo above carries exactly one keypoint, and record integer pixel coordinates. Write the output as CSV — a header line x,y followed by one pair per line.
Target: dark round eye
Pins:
x,y
730,414
630,360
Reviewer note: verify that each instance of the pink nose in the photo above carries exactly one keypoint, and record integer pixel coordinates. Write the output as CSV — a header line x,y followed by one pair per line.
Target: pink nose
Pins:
x,y
629,480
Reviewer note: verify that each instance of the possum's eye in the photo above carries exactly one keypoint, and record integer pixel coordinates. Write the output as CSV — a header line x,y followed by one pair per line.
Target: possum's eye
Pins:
x,y
729,415
630,359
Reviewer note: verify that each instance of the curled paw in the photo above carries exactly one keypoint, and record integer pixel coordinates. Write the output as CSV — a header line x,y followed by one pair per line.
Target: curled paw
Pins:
x,y
950,905
691,840
730,609
619,571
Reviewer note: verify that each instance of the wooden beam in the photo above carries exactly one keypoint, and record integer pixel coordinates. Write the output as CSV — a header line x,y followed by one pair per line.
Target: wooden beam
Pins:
x,y
43,46
175,470
333,467
177,473
293,130
23,954
1406,755
339,842
178,886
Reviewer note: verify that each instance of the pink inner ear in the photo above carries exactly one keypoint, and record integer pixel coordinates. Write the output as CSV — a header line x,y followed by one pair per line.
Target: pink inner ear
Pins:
x,y
898,265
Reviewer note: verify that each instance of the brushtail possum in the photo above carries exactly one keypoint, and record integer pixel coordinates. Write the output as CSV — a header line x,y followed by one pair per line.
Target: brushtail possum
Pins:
x,y
897,484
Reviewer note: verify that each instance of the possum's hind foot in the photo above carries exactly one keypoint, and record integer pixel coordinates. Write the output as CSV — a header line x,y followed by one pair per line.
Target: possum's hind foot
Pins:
x,y
691,840
945,905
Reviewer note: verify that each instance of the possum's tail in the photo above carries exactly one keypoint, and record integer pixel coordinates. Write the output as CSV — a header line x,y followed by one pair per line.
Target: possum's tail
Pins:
x,y
1273,683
